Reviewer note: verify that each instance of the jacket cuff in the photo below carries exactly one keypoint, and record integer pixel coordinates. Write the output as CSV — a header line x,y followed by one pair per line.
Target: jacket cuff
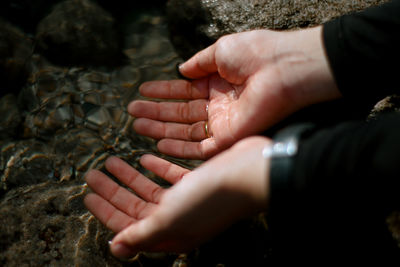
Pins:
x,y
282,154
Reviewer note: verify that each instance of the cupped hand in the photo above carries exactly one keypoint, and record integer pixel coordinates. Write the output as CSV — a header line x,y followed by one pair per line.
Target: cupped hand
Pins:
x,y
199,204
242,84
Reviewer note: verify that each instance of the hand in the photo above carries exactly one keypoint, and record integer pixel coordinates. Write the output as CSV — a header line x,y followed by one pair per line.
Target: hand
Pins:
x,y
199,204
244,83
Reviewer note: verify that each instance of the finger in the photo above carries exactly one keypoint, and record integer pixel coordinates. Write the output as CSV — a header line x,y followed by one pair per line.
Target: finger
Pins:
x,y
159,130
190,112
142,236
107,214
143,186
200,65
163,168
189,150
118,196
176,89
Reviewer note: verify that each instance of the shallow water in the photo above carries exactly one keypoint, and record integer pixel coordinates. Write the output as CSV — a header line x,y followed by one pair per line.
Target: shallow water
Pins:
x,y
69,120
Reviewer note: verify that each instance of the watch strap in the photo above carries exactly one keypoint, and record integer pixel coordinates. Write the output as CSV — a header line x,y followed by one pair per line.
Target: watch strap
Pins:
x,y
282,154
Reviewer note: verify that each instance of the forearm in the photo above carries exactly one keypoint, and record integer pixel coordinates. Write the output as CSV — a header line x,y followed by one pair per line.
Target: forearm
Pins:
x,y
356,158
363,51
343,184
301,54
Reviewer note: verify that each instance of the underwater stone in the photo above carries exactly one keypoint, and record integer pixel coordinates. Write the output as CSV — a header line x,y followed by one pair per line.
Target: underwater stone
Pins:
x,y
99,117
15,52
49,227
10,116
78,32
44,222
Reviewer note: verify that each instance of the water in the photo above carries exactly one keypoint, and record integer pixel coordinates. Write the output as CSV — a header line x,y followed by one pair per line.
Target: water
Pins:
x,y
65,121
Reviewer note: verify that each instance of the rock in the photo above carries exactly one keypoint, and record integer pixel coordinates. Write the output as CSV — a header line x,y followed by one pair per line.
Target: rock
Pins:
x,y
15,52
386,105
11,117
49,225
393,222
26,13
119,8
186,20
196,23
69,120
79,32
56,99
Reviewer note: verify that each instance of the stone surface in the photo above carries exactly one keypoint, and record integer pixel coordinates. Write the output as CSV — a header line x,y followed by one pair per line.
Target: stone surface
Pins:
x,y
386,105
65,121
15,51
393,222
26,13
11,117
79,32
50,227
197,23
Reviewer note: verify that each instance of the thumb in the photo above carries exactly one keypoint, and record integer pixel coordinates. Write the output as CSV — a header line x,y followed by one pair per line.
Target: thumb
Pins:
x,y
200,65
139,236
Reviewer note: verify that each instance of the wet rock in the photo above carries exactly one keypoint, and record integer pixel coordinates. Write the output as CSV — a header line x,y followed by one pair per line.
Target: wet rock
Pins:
x,y
25,162
386,105
57,99
393,222
79,32
55,230
26,13
15,52
120,8
196,23
186,20
72,119
11,117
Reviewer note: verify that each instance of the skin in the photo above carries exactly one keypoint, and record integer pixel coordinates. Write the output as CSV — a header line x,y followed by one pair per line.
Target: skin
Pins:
x,y
173,219
241,85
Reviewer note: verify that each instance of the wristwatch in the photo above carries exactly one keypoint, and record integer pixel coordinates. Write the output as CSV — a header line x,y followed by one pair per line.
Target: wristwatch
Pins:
x,y
282,153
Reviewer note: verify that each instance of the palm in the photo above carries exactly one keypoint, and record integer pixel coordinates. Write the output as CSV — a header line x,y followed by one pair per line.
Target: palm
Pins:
x,y
159,219
181,126
115,206
226,122
249,81
231,90
231,111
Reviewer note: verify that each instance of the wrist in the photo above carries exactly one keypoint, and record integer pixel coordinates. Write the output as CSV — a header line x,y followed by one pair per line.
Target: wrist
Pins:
x,y
324,88
312,80
251,177
281,156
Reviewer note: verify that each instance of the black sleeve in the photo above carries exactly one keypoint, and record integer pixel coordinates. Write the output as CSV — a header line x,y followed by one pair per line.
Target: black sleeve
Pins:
x,y
364,51
344,184
358,160
345,180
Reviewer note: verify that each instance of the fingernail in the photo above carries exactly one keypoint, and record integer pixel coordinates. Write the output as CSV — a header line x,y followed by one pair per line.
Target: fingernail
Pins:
x,y
122,251
179,66
110,242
